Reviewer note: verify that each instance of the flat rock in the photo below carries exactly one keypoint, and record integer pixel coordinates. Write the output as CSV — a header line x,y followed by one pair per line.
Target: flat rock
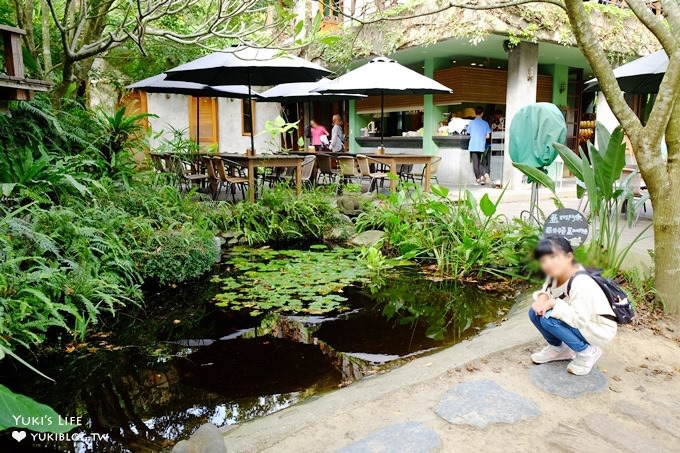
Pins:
x,y
206,439
554,378
483,403
367,238
409,437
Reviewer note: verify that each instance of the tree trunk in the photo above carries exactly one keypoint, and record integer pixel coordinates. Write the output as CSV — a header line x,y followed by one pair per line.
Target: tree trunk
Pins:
x,y
667,249
46,47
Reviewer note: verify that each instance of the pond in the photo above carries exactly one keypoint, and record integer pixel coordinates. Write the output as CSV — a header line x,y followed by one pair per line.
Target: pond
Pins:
x,y
198,353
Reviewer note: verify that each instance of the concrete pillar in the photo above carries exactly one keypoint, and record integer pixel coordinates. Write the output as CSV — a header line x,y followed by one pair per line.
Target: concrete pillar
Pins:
x,y
432,114
522,76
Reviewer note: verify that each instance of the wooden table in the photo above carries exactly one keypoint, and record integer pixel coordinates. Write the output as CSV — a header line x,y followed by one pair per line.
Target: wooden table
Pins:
x,y
392,160
252,163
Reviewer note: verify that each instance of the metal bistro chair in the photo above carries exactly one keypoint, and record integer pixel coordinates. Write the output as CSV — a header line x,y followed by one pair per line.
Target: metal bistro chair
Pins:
x,y
366,173
213,179
229,179
326,172
420,176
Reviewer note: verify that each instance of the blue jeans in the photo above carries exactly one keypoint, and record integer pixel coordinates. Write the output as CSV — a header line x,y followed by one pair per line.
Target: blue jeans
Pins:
x,y
557,332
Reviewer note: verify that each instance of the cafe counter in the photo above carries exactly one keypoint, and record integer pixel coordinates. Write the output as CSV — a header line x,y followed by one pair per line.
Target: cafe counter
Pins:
x,y
454,169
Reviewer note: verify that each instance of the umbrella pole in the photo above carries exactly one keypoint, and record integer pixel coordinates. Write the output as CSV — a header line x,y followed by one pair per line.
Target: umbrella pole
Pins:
x,y
198,122
252,113
382,118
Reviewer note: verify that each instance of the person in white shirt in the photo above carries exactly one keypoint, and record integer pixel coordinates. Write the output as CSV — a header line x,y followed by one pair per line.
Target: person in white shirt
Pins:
x,y
572,324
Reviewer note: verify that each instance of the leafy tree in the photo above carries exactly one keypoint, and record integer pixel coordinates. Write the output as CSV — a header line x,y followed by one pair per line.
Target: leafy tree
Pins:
x,y
661,175
87,29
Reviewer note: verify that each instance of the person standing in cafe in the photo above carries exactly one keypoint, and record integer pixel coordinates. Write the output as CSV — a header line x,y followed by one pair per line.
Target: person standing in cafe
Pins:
x,y
317,131
479,131
337,135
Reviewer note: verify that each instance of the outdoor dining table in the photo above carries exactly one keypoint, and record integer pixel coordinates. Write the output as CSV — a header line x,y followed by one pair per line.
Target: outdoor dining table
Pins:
x,y
252,163
393,160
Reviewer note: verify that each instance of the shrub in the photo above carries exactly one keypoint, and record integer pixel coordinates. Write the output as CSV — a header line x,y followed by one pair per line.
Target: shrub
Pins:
x,y
466,238
179,255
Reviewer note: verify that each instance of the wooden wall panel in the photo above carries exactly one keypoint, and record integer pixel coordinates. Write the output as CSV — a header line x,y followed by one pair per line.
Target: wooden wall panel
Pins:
x,y
469,85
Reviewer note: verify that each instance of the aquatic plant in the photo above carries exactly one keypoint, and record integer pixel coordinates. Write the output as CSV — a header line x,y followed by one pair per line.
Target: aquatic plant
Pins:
x,y
290,281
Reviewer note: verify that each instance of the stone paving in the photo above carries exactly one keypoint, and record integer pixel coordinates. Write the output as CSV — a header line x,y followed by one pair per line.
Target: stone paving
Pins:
x,y
482,403
553,378
409,437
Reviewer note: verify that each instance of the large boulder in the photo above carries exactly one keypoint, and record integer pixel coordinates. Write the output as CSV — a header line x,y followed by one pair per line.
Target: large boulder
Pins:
x,y
367,238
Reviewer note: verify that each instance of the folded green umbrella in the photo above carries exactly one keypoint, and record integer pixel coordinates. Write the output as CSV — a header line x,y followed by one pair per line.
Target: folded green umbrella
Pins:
x,y
533,130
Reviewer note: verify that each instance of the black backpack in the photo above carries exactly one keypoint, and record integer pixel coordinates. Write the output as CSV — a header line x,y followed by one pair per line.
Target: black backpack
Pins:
x,y
617,297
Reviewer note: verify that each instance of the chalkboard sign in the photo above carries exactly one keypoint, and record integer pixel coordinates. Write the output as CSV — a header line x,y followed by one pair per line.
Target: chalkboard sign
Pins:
x,y
568,223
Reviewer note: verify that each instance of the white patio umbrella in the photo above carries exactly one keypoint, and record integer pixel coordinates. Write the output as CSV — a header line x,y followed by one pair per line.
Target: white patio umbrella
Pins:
x,y
382,76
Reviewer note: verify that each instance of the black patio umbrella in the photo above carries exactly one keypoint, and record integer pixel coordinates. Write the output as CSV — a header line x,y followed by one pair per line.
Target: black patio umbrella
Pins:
x,y
640,76
160,84
248,66
382,76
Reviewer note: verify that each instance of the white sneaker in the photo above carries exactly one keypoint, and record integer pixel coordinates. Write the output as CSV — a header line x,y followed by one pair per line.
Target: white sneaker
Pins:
x,y
585,361
552,354
487,178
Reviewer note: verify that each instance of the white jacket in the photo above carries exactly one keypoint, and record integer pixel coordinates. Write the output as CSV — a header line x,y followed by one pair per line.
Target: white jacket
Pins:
x,y
582,308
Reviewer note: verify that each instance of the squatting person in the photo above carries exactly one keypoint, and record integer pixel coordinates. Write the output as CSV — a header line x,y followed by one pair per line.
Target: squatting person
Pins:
x,y
572,323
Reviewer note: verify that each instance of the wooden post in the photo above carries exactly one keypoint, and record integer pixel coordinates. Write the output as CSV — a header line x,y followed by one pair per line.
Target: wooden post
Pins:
x,y
14,61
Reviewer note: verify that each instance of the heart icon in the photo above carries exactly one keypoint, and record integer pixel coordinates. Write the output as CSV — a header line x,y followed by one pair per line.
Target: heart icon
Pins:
x,y
19,435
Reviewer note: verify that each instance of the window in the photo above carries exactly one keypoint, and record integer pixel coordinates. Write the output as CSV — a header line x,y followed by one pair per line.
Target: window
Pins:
x,y
247,110
203,116
330,8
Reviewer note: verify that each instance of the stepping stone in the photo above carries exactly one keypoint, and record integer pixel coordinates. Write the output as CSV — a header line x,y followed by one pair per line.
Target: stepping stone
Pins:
x,y
554,378
411,437
483,403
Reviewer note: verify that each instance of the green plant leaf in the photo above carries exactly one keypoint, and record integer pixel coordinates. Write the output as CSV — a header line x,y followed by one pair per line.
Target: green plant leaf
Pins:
x,y
6,188
536,175
440,191
601,172
603,136
487,206
17,409
298,27
571,160
591,186
279,121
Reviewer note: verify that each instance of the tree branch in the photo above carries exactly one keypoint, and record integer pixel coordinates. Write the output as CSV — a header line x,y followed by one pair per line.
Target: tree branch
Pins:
x,y
653,23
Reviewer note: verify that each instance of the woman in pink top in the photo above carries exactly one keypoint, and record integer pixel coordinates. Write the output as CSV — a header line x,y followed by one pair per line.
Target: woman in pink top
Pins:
x,y
317,131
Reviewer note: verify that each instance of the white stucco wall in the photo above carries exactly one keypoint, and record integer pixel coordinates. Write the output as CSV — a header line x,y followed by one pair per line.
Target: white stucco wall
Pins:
x,y
605,114
173,113
230,136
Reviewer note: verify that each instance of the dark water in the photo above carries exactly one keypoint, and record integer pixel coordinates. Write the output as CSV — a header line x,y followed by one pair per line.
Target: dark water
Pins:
x,y
158,373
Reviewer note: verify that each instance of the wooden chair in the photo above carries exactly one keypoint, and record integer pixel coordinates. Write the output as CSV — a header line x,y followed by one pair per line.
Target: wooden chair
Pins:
x,y
325,171
229,179
183,170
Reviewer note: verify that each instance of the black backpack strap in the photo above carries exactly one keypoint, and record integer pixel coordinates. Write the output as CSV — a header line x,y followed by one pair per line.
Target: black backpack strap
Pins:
x,y
572,278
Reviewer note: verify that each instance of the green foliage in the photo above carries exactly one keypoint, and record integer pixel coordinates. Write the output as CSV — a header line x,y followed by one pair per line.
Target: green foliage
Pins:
x,y
280,131
180,255
290,281
598,175
281,216
465,238
24,408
